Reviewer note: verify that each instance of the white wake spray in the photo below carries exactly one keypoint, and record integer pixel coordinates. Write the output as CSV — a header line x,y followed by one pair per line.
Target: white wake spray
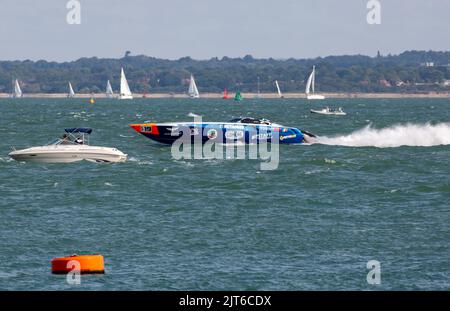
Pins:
x,y
423,135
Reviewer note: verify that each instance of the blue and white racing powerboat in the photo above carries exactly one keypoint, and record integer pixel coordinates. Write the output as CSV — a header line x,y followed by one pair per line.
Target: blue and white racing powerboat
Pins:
x,y
243,130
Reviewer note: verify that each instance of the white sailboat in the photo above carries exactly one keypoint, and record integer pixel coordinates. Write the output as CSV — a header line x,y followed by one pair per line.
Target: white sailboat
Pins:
x,y
310,86
125,92
17,90
258,94
109,90
193,91
71,92
278,89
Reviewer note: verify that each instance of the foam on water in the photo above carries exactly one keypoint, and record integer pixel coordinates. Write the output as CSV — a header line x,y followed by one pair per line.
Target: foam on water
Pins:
x,y
424,135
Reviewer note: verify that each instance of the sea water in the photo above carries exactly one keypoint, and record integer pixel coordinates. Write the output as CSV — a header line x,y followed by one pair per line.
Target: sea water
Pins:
x,y
374,186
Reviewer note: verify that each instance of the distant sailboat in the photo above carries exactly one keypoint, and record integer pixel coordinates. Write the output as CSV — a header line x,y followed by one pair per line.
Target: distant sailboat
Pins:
x,y
109,90
310,86
225,94
278,89
193,91
71,92
238,96
258,94
17,90
125,92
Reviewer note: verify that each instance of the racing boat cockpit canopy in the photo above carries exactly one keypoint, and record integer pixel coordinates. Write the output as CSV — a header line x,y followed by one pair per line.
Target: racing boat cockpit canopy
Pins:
x,y
251,121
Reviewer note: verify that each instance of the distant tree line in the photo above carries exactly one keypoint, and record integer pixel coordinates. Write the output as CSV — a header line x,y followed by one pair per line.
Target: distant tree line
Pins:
x,y
411,71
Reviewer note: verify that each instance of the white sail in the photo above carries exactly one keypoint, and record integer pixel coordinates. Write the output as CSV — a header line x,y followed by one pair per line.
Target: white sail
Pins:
x,y
311,85
125,92
278,89
71,92
17,90
310,81
193,91
109,91
258,94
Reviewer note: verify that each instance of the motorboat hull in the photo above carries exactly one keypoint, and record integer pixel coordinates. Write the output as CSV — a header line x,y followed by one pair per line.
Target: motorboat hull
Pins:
x,y
168,133
68,154
332,113
315,97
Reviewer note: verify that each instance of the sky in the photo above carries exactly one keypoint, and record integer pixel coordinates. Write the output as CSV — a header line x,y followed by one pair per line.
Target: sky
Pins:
x,y
202,29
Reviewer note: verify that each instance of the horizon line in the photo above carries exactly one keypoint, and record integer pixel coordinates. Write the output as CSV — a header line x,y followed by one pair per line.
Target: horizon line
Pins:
x,y
221,58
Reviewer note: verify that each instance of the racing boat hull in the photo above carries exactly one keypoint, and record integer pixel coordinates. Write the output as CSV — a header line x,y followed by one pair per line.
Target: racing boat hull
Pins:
x,y
168,133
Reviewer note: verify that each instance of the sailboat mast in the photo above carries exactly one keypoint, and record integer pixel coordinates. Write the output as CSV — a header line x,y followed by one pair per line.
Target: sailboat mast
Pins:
x,y
258,87
313,79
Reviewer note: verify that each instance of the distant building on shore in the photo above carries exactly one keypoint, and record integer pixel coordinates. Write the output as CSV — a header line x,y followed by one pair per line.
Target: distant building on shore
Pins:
x,y
427,64
384,83
445,83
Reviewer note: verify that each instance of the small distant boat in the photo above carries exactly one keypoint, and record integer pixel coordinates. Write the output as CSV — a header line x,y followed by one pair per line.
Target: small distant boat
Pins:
x,y
225,94
238,96
193,91
17,90
109,90
125,92
310,86
329,111
71,92
73,146
278,89
258,93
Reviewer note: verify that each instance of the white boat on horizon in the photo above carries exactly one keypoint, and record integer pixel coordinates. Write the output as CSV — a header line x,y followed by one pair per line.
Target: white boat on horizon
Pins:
x,y
17,90
258,92
310,87
125,92
193,91
71,92
278,89
109,90
73,146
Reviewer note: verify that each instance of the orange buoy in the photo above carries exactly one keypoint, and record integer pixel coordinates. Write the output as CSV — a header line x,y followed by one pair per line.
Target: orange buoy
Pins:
x,y
88,264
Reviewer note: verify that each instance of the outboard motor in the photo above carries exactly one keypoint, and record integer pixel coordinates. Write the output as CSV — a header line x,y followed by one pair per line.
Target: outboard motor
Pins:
x,y
308,137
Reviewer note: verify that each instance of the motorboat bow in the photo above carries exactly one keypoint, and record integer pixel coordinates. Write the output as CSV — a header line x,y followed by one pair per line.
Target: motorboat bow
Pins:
x,y
73,146
244,130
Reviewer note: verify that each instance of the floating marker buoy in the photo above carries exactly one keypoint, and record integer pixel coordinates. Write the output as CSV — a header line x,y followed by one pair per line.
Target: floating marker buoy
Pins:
x,y
89,264
92,101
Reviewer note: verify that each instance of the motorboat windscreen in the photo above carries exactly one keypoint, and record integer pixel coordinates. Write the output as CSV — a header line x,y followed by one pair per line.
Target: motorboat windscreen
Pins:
x,y
73,136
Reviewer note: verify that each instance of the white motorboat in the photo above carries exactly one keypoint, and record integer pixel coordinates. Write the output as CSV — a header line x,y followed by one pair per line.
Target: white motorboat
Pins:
x,y
73,146
329,111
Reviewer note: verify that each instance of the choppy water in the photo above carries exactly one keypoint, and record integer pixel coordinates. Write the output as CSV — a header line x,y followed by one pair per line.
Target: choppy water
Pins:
x,y
313,223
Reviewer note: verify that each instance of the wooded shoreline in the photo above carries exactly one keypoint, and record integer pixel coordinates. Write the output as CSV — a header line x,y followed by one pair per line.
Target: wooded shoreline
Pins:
x,y
247,95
